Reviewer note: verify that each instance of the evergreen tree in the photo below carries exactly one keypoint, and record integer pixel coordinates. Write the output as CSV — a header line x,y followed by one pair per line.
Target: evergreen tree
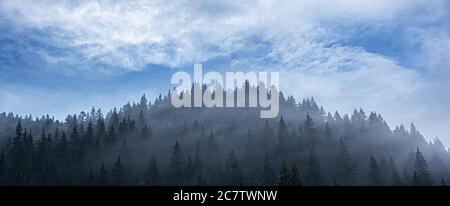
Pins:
x,y
102,178
374,178
152,176
313,175
284,175
422,173
176,165
268,173
295,178
2,168
395,179
282,135
75,136
197,164
89,136
146,132
111,137
327,134
344,168
290,177
267,135
118,176
233,171
309,131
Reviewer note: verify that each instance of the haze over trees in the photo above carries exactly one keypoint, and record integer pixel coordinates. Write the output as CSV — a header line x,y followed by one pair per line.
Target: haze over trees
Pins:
x,y
153,143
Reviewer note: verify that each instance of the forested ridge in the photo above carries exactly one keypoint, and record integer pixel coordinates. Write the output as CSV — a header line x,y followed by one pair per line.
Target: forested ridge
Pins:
x,y
153,143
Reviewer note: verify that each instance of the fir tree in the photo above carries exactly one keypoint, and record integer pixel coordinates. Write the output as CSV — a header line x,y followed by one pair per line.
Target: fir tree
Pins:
x,y
313,175
118,176
102,178
176,165
233,171
423,174
152,176
268,173
374,177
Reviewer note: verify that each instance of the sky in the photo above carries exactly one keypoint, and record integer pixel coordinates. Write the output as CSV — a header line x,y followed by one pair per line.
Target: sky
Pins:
x,y
392,57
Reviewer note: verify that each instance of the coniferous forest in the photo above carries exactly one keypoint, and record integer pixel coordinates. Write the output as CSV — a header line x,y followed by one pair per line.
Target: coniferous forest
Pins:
x,y
151,143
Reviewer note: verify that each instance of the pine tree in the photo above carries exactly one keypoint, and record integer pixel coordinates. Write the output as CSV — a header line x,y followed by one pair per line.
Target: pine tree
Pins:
x,y
344,168
233,171
111,136
197,158
327,134
374,178
267,135
146,132
189,170
395,179
295,178
89,136
211,144
115,118
2,168
268,173
313,175
284,175
152,176
423,174
176,165
75,136
282,135
309,131
118,176
102,178
290,177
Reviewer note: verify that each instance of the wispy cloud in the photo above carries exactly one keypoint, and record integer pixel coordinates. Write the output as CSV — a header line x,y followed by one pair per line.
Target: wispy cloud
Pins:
x,y
311,42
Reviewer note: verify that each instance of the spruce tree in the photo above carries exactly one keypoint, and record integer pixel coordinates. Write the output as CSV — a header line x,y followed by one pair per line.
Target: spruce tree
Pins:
x,y
233,171
282,135
118,176
102,178
152,176
344,168
423,174
295,177
313,175
309,131
284,175
374,178
268,173
176,165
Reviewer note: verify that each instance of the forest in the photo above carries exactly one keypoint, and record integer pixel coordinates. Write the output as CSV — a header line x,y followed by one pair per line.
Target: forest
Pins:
x,y
152,143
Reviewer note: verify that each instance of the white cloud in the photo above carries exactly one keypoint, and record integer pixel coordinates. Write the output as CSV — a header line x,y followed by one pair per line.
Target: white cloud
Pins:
x,y
297,34
131,34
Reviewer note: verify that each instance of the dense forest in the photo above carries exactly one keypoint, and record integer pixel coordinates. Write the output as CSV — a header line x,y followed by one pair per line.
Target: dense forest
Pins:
x,y
153,143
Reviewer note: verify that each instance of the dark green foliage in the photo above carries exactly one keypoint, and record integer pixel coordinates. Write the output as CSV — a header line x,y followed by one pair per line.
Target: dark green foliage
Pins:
x,y
152,175
289,176
176,165
344,167
422,175
118,176
374,178
233,174
313,173
193,148
268,175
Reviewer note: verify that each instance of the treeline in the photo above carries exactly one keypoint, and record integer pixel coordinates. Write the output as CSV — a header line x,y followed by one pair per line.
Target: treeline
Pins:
x,y
152,143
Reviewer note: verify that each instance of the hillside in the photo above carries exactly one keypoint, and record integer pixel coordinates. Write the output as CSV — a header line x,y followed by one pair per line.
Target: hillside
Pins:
x,y
153,143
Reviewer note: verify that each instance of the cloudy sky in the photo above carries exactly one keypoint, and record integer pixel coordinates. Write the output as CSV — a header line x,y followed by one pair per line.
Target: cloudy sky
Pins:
x,y
61,57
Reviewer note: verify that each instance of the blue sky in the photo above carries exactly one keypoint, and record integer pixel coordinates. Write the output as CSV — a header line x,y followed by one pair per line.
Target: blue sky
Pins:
x,y
61,57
